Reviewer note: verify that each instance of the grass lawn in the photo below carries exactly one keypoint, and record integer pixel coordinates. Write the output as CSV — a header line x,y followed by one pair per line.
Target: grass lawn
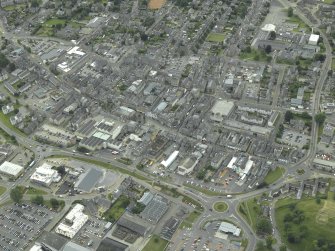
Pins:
x,y
319,221
5,120
250,210
54,21
215,37
274,175
14,7
296,20
333,64
2,190
117,209
190,219
220,206
155,244
34,191
255,55
329,1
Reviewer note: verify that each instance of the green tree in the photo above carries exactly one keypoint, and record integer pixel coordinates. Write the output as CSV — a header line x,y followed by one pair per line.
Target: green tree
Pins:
x,y
54,203
38,200
269,242
320,118
16,194
290,12
272,35
282,248
288,116
263,226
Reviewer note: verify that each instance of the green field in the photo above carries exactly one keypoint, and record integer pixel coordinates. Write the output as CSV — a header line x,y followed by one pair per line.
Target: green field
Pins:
x,y
329,1
255,55
155,244
274,175
5,120
117,209
15,7
250,210
34,191
190,219
296,20
333,64
302,224
220,206
2,190
215,37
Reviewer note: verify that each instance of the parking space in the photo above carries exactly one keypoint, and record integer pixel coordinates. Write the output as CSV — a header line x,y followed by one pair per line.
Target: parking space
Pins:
x,y
21,224
294,138
91,233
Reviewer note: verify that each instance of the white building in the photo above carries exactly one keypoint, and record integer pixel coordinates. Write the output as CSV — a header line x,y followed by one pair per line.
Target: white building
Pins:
x,y
170,160
269,27
45,175
74,221
227,227
10,169
313,39
241,166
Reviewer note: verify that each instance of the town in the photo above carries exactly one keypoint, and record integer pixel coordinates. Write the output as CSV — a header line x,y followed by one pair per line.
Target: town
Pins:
x,y
170,125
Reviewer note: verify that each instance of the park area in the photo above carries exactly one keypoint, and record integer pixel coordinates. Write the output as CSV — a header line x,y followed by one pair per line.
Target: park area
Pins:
x,y
274,175
216,37
155,244
117,209
156,4
189,220
307,224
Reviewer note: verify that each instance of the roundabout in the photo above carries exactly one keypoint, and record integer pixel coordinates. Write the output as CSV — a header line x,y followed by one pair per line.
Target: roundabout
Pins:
x,y
220,207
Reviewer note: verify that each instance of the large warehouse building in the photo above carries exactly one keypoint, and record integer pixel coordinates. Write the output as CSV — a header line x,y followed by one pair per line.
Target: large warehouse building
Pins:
x,y
10,169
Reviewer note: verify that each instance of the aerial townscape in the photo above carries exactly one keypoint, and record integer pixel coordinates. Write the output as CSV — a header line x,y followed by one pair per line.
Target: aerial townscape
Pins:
x,y
167,125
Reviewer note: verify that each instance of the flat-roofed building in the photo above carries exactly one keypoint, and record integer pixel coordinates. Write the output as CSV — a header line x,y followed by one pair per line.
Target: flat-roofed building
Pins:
x,y
74,221
227,227
45,175
221,109
10,169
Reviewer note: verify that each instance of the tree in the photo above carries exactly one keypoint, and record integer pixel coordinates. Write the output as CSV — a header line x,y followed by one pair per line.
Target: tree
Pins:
x,y
288,116
269,241
320,118
272,35
268,49
290,12
282,248
16,194
38,200
263,226
61,170
54,203
3,61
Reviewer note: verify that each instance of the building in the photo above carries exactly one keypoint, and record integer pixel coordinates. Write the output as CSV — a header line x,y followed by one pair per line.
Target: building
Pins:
x,y
71,246
10,169
241,165
87,181
313,39
74,221
155,209
221,109
170,160
269,27
229,228
272,120
45,175
146,198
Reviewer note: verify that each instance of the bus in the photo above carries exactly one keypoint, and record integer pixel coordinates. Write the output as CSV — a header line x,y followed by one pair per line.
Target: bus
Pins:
x,y
32,163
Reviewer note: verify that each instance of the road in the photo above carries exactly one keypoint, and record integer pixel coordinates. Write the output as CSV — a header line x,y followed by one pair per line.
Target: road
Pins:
x,y
206,201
